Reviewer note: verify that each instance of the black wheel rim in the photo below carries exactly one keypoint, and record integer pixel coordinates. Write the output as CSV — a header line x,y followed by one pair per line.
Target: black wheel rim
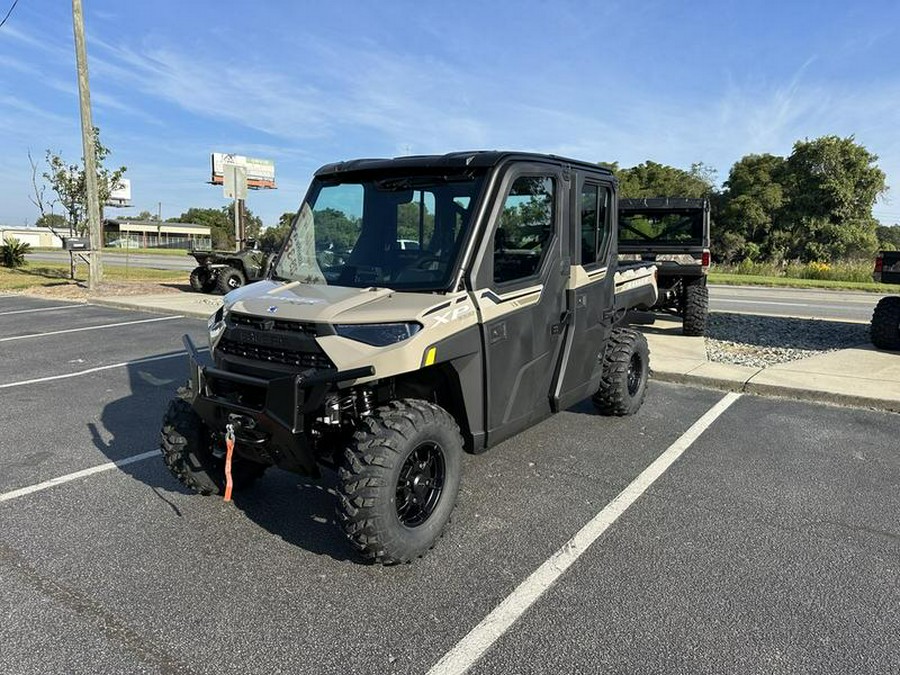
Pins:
x,y
420,484
635,368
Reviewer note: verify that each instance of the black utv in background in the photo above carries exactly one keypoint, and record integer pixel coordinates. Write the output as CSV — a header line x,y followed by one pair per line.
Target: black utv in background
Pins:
x,y
672,232
885,328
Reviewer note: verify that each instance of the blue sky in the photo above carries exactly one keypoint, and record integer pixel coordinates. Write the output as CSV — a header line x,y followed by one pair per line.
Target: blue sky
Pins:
x,y
305,83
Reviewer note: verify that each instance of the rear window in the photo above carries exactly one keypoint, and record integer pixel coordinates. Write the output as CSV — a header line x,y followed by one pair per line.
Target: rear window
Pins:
x,y
656,227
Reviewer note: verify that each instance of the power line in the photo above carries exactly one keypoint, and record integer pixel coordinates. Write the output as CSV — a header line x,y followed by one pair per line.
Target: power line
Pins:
x,y
15,2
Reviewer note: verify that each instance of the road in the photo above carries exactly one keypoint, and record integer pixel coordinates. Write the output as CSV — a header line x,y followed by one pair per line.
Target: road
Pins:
x,y
768,542
159,262
798,302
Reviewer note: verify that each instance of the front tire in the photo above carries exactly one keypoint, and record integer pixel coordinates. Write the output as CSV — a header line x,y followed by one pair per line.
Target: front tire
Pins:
x,y
399,479
626,369
187,443
885,328
229,278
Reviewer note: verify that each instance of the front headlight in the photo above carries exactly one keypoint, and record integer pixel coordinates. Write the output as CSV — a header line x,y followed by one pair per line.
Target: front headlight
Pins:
x,y
378,334
216,326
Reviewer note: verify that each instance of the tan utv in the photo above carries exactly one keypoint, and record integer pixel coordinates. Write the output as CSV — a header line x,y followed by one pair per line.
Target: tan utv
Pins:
x,y
420,307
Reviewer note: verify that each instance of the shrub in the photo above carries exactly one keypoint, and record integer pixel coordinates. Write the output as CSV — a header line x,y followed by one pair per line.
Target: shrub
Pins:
x,y
12,253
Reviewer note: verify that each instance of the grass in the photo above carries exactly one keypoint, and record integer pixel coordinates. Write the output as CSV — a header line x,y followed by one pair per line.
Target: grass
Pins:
x,y
727,279
842,275
32,275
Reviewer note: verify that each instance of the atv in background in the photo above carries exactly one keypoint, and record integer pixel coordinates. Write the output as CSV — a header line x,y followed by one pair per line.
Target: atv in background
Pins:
x,y
672,232
885,328
223,271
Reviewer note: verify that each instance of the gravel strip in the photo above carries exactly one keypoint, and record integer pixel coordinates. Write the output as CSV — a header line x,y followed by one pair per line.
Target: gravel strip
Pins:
x,y
762,341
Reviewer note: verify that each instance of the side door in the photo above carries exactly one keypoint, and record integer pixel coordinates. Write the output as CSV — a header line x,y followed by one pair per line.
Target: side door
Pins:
x,y
590,291
521,296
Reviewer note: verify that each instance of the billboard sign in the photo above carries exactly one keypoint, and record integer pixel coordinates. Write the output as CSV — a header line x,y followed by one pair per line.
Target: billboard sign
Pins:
x,y
121,194
260,172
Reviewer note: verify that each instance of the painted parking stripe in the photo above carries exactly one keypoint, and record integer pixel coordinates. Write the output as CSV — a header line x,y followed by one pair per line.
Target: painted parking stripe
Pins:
x,y
39,309
79,330
97,369
53,482
473,646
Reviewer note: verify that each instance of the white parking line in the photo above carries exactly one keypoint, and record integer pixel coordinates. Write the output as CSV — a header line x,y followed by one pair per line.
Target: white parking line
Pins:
x,y
97,369
78,330
39,309
31,489
471,648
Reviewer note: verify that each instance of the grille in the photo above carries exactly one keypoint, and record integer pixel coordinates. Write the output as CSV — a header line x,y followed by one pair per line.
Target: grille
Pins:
x,y
264,323
287,357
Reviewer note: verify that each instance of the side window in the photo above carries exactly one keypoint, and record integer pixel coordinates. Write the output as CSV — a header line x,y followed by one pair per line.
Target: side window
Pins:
x,y
525,228
594,223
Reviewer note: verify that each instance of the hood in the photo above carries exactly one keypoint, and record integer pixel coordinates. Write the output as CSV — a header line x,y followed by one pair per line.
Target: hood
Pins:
x,y
329,304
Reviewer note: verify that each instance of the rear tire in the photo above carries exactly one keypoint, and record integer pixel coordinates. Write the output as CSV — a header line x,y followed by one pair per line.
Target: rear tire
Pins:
x,y
186,444
626,369
229,278
202,281
695,308
399,479
885,329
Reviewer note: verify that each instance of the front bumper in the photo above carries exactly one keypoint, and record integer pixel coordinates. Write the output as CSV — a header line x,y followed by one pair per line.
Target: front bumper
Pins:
x,y
268,414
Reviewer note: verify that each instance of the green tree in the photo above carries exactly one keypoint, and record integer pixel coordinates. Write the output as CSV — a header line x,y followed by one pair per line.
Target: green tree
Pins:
x,y
144,215
272,237
221,223
888,237
69,183
748,211
660,180
832,184
51,220
816,205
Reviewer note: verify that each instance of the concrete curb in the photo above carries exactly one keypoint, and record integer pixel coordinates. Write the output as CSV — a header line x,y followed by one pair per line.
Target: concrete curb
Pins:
x,y
795,392
185,308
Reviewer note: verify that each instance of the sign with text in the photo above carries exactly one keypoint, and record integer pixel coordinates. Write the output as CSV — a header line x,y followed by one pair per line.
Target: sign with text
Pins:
x,y
260,172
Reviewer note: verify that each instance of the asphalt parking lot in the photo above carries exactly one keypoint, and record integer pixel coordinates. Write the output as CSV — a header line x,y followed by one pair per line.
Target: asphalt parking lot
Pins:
x,y
771,545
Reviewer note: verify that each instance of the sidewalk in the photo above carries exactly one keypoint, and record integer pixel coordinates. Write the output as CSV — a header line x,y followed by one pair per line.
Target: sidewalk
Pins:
x,y
862,376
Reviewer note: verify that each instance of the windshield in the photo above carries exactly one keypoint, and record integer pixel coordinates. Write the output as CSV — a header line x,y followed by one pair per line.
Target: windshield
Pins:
x,y
661,227
402,232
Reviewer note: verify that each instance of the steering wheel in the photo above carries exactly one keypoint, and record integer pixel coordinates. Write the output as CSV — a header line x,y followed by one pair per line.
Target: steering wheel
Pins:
x,y
426,262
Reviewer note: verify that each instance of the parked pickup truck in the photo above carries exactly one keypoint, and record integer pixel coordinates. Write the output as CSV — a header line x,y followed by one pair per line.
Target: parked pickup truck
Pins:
x,y
885,327
674,234
390,360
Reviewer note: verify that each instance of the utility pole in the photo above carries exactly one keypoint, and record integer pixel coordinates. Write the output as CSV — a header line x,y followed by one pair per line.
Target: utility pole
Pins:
x,y
88,142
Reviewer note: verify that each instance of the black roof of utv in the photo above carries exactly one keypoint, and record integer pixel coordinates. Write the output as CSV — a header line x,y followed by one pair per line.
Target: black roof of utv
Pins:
x,y
453,161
